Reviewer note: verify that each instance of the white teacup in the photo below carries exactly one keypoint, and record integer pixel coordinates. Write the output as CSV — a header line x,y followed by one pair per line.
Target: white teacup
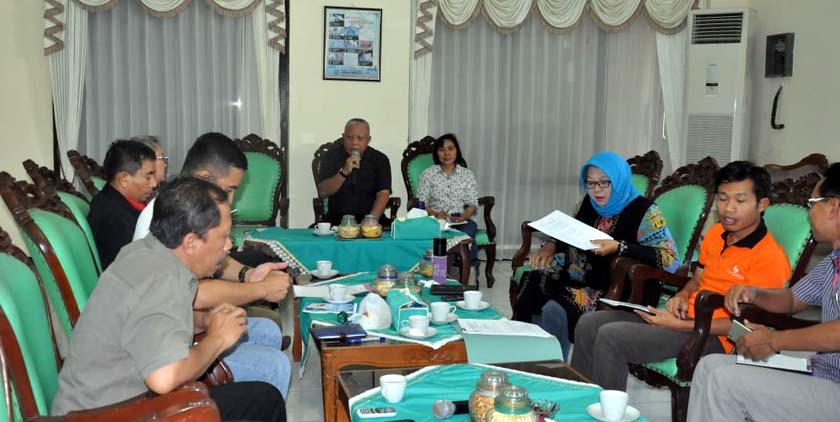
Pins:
x,y
441,311
324,267
613,404
323,228
392,387
337,291
472,299
418,325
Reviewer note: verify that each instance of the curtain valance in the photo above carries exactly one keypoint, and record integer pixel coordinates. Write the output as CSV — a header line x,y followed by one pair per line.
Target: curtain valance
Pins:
x,y
667,16
54,21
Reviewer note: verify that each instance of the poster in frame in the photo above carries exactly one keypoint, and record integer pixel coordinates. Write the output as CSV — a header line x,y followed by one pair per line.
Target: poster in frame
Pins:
x,y
352,44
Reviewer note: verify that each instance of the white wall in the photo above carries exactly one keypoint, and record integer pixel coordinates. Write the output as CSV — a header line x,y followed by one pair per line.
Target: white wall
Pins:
x,y
25,99
319,108
809,106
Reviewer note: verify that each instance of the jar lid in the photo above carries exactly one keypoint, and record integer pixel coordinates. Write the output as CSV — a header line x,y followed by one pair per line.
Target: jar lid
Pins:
x,y
406,279
492,380
428,253
388,272
513,400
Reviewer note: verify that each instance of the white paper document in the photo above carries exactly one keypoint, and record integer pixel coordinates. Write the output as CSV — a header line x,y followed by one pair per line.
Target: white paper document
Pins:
x,y
501,327
618,303
565,228
788,360
322,290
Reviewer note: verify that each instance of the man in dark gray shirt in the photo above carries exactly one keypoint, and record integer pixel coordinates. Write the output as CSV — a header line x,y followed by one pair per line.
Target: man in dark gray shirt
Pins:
x,y
136,331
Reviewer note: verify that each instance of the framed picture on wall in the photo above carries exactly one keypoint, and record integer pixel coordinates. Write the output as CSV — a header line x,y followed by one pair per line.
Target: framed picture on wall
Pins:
x,y
352,44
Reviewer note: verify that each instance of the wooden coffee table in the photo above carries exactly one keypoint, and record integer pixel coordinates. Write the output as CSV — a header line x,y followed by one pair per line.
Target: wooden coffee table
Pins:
x,y
353,382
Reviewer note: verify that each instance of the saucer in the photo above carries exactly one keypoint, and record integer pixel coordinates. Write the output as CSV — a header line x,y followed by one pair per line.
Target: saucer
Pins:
x,y
630,414
482,306
347,299
405,332
449,319
317,233
331,274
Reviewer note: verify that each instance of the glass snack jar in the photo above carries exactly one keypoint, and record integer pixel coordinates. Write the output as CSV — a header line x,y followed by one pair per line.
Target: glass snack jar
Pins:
x,y
486,389
386,278
425,267
371,227
407,281
348,229
511,405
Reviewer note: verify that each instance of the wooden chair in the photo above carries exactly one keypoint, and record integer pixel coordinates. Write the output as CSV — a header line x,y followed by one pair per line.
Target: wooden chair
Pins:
x,y
88,171
30,360
814,163
788,223
685,198
417,157
646,170
257,199
49,184
319,205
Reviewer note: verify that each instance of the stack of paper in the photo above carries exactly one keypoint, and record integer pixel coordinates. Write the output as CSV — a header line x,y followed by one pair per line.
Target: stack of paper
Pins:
x,y
501,327
322,291
787,360
567,229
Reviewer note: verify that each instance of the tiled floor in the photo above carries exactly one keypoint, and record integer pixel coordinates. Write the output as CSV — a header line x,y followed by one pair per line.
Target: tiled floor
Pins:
x,y
304,401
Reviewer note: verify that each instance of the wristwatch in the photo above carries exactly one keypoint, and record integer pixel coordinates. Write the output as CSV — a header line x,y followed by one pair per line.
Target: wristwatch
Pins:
x,y
341,172
242,273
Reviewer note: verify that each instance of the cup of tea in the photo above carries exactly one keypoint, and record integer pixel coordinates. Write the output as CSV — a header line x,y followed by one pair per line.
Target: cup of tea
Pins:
x,y
613,404
392,387
472,299
323,267
323,228
337,291
441,311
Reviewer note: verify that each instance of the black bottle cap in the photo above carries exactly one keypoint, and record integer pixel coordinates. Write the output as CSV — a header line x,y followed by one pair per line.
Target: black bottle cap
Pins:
x,y
439,246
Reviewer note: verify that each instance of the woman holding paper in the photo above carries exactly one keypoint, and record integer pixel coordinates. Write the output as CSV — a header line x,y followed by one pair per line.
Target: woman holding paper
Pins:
x,y
449,189
566,281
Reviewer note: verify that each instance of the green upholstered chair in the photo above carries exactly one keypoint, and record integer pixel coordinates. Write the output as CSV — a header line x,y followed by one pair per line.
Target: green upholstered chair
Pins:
x,y
321,205
31,362
257,201
88,171
646,170
58,247
788,223
48,183
416,158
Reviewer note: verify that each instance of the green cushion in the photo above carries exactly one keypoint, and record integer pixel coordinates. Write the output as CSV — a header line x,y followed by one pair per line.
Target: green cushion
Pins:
x,y
481,238
414,168
790,227
238,232
517,274
99,183
682,207
71,247
254,199
640,182
668,368
79,208
50,285
23,305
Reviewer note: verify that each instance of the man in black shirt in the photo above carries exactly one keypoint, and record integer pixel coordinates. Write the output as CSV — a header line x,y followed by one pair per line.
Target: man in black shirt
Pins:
x,y
355,177
130,169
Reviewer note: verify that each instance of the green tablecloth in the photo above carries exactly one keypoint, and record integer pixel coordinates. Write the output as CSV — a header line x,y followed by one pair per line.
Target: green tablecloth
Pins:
x,y
444,331
456,382
349,256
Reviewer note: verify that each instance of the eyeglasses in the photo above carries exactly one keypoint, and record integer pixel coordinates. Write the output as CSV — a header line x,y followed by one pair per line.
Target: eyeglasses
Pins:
x,y
812,201
165,159
603,184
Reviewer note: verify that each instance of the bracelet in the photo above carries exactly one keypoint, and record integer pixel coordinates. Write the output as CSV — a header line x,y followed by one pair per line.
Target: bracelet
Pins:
x,y
242,272
622,247
341,172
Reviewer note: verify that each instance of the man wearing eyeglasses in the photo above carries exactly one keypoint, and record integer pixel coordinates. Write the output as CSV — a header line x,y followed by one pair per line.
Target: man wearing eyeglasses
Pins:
x,y
722,390
737,250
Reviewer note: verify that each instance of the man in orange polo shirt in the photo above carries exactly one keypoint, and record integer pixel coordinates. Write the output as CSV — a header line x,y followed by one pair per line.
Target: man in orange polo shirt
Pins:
x,y
737,250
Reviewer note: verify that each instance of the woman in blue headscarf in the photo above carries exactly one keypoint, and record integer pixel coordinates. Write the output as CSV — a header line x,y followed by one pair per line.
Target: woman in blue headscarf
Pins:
x,y
566,282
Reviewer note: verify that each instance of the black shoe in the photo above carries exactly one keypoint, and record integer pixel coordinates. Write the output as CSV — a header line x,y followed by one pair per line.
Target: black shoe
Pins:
x,y
284,344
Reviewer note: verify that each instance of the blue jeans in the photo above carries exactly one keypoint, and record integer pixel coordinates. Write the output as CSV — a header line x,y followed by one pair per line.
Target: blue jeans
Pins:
x,y
553,319
257,356
470,228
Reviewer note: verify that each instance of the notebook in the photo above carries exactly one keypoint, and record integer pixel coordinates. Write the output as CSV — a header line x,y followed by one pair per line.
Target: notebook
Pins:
x,y
336,332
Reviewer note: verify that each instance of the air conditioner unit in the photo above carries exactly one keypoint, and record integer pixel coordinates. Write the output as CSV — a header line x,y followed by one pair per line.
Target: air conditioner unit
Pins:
x,y
718,84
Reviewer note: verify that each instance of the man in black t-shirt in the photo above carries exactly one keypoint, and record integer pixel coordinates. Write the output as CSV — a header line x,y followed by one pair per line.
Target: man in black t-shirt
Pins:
x,y
355,177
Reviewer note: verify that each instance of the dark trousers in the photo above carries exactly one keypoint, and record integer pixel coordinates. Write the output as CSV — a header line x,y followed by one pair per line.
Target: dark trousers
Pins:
x,y
470,228
249,401
607,341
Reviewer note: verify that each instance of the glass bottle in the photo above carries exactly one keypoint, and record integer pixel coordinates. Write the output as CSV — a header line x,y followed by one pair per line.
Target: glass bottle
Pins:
x,y
486,390
511,405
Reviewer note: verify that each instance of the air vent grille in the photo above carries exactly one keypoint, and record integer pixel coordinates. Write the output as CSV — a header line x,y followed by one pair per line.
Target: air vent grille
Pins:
x,y
723,28
709,134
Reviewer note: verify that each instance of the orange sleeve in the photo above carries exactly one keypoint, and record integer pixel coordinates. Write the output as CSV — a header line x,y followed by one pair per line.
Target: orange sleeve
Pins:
x,y
710,243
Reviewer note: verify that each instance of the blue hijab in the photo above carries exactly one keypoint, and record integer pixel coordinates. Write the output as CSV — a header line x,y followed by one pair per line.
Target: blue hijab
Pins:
x,y
618,171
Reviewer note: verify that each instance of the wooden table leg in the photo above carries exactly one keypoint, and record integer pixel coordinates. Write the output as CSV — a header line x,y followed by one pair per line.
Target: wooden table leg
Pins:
x,y
297,343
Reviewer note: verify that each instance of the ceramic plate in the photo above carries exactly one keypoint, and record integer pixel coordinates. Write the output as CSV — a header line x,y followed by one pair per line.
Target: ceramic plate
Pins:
x,y
449,320
405,332
331,274
317,233
347,299
630,415
484,305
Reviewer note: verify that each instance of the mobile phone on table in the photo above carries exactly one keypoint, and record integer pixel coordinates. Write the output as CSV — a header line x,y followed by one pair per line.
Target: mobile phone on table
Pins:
x,y
737,330
376,412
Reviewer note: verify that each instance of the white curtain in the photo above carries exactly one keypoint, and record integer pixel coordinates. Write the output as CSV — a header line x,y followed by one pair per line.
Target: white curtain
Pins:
x,y
67,77
671,50
424,14
268,75
530,107
176,78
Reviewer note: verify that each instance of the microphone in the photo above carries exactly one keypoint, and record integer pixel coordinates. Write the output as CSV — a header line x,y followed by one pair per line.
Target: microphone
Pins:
x,y
357,154
443,409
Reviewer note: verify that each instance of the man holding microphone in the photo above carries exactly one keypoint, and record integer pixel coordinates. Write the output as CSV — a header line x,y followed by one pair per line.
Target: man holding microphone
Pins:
x,y
355,177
